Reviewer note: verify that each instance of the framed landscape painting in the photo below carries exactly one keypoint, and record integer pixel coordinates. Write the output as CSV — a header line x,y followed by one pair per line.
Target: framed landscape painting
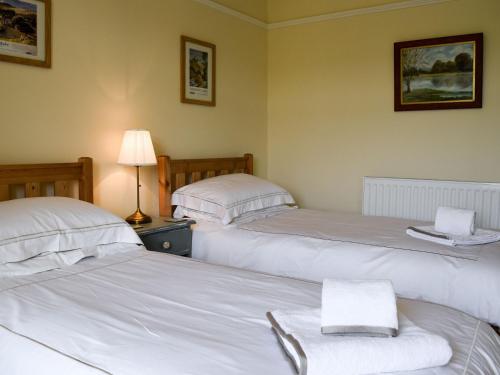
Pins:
x,y
25,32
197,72
438,73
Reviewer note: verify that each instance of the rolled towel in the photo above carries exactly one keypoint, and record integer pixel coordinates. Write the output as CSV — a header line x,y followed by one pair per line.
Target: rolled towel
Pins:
x,y
315,354
480,237
359,307
455,221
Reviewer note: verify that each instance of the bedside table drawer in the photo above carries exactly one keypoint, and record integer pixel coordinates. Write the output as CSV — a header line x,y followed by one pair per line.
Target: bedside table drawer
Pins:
x,y
177,242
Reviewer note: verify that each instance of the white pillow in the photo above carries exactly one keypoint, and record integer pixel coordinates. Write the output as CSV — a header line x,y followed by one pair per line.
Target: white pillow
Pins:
x,y
33,226
61,259
229,196
245,218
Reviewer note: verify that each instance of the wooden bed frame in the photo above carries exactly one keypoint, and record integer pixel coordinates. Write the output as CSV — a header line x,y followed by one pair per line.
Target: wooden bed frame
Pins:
x,y
173,174
34,177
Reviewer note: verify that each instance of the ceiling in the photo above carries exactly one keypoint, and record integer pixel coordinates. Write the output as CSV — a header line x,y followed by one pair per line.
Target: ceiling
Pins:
x,y
284,10
253,8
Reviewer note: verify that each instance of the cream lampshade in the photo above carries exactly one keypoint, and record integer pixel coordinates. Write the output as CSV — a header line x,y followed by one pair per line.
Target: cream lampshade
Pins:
x,y
137,150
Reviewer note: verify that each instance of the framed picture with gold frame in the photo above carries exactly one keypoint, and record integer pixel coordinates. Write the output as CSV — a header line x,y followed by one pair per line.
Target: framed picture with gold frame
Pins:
x,y
197,71
25,32
439,73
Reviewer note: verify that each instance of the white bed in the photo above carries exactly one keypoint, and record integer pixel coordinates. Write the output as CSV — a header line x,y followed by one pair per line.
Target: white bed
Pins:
x,y
149,313
468,280
315,245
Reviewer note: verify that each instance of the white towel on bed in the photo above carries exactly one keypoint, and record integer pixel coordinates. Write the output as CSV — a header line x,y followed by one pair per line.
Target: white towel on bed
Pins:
x,y
316,354
427,233
455,221
359,307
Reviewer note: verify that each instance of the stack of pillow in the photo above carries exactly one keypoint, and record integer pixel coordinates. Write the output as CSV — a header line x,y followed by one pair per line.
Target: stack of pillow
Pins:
x,y
228,199
357,331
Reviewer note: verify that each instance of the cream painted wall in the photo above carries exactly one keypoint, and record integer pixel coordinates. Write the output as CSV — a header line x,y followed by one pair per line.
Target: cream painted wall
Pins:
x,y
331,118
116,66
317,113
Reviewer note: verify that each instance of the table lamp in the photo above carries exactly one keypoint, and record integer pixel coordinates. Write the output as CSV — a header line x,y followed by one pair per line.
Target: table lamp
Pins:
x,y
137,151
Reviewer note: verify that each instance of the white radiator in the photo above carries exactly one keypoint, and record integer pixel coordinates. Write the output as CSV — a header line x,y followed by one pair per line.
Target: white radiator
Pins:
x,y
419,199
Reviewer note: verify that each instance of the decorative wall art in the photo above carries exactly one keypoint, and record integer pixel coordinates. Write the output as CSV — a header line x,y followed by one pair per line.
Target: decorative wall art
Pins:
x,y
197,72
25,32
438,73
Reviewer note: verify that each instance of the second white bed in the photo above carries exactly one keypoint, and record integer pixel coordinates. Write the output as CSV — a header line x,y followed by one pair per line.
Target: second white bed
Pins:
x,y
297,243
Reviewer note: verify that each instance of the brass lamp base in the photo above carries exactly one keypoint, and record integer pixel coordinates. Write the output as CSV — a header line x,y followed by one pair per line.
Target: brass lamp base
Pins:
x,y
138,217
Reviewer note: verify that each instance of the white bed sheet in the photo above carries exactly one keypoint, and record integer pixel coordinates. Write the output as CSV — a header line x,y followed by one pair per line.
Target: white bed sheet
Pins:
x,y
470,284
150,313
21,355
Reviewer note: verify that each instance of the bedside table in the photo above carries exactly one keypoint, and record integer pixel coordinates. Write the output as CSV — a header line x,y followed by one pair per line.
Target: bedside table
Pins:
x,y
167,237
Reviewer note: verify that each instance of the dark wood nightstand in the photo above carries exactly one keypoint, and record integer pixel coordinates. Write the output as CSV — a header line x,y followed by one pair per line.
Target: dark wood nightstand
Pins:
x,y
167,237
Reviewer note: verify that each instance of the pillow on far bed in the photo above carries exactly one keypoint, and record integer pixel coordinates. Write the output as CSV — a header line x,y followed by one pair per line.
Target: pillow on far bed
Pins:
x,y
246,218
229,196
33,226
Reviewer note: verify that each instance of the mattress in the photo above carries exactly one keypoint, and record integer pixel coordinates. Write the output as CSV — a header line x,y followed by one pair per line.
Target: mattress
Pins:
x,y
150,313
314,245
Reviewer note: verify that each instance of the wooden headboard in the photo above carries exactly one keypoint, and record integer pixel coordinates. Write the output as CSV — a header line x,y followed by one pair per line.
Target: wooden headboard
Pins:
x,y
38,179
173,174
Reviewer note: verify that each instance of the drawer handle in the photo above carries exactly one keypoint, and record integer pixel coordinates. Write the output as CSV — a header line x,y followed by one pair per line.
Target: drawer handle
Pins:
x,y
166,245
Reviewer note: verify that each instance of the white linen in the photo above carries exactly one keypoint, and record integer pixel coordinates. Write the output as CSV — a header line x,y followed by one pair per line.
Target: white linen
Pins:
x,y
480,236
318,354
32,226
247,217
113,315
328,226
470,283
38,359
51,261
229,196
359,307
455,221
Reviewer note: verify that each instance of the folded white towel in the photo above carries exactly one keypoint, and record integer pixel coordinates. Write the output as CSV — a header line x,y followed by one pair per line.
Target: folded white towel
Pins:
x,y
427,233
317,354
455,221
359,307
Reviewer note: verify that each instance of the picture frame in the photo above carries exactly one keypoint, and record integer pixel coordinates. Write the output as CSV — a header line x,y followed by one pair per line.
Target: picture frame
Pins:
x,y
25,32
198,83
439,73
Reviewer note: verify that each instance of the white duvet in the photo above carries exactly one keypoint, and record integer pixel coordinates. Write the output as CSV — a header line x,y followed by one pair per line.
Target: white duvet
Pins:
x,y
143,313
314,245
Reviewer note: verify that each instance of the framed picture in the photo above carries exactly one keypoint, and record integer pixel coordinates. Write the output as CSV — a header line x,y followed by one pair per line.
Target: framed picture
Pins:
x,y
439,73
25,32
197,72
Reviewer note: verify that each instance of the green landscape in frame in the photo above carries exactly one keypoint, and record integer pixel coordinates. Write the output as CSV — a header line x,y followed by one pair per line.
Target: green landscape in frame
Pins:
x,y
439,73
